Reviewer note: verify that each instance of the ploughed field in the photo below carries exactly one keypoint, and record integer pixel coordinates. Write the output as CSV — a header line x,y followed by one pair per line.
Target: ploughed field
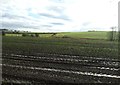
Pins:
x,y
59,60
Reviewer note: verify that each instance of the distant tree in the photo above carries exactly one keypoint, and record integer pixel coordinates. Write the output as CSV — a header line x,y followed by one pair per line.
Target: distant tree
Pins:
x,y
36,35
53,34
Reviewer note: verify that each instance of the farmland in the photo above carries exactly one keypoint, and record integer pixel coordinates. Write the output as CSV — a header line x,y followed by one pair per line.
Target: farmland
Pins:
x,y
69,57
92,35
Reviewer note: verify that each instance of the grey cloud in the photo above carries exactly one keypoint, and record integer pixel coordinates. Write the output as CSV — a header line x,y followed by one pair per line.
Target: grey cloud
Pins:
x,y
53,30
46,25
57,23
58,9
17,17
12,20
9,16
52,16
18,25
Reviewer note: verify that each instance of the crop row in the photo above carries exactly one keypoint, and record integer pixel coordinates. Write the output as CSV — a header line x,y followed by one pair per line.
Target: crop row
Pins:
x,y
56,74
60,60
69,64
63,58
60,49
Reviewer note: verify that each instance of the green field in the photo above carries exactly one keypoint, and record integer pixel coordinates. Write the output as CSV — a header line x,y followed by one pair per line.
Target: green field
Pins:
x,y
76,35
71,43
92,35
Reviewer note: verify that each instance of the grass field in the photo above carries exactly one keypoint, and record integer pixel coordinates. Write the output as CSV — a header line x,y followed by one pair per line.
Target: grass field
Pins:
x,y
92,35
65,57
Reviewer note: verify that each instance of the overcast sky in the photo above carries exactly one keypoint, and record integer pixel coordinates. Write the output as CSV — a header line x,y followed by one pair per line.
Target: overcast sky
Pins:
x,y
59,15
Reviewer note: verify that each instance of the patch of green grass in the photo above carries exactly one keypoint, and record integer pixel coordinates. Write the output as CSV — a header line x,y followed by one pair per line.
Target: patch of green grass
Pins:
x,y
91,35
75,35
